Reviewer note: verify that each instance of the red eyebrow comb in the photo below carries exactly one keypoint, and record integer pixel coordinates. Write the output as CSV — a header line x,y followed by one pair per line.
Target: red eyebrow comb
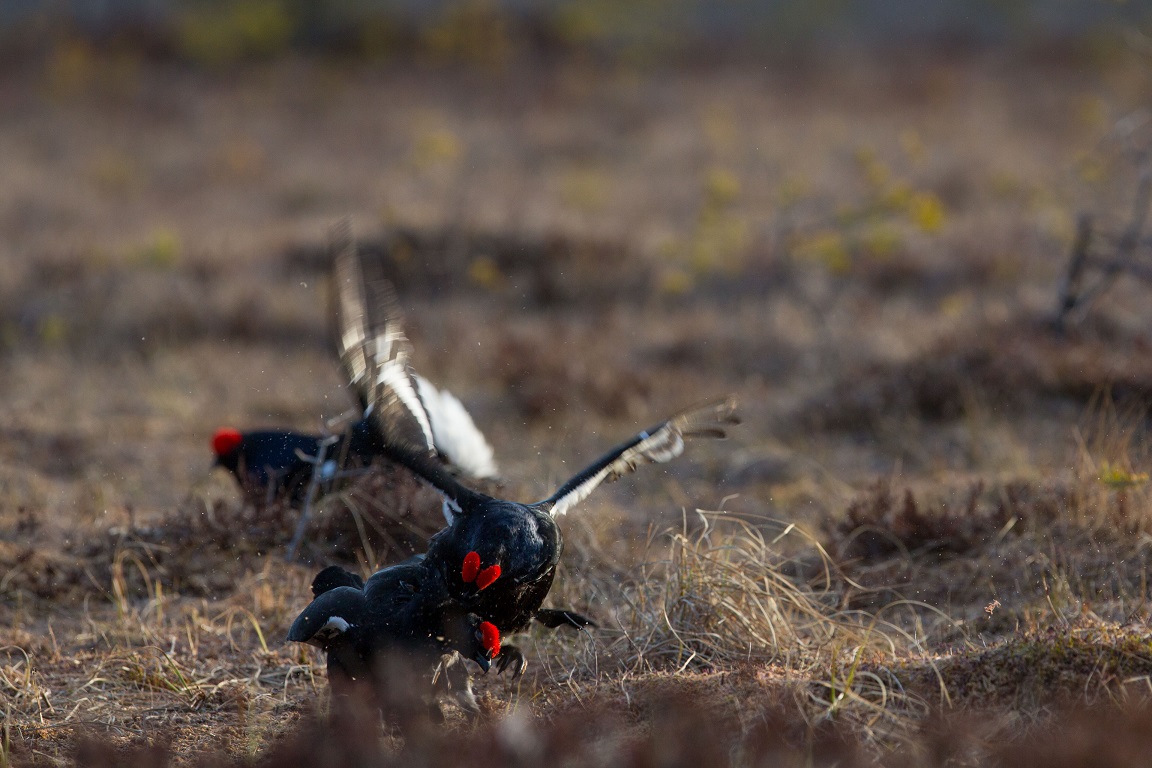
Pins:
x,y
226,440
485,578
471,567
490,638
470,571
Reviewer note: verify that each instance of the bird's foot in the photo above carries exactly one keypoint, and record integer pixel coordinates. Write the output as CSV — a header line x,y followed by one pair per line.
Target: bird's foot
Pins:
x,y
511,657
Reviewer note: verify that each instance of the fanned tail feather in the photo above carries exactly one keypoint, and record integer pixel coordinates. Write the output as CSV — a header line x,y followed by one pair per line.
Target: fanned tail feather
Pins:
x,y
454,433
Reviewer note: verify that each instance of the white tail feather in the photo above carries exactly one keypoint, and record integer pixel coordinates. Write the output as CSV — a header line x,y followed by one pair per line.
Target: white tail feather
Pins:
x,y
454,433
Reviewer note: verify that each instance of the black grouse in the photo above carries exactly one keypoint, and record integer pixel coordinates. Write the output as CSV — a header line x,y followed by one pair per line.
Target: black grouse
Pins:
x,y
403,616
274,463
395,640
497,557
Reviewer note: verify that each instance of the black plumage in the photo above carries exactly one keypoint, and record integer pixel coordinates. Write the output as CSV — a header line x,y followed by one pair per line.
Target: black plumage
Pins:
x,y
276,463
497,558
486,574
399,636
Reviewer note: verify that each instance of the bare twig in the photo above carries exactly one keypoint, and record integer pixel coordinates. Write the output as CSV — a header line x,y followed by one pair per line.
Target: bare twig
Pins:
x,y
1122,261
1070,285
318,475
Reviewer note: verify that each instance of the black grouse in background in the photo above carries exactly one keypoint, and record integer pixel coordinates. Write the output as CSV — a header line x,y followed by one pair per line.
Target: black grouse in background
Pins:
x,y
497,558
271,464
275,463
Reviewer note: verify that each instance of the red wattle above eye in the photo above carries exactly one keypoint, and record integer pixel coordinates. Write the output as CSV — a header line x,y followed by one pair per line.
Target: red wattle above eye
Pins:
x,y
471,567
485,578
490,638
226,440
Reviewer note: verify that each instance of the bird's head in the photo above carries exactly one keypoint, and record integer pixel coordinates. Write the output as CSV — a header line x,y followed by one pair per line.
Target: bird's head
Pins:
x,y
226,445
468,634
472,573
329,617
484,645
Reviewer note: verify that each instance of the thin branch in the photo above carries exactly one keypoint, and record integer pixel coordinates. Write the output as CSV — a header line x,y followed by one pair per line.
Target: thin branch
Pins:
x,y
1126,247
318,471
1070,286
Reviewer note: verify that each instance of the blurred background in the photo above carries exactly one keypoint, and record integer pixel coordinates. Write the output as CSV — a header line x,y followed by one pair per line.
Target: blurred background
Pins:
x,y
215,32
595,212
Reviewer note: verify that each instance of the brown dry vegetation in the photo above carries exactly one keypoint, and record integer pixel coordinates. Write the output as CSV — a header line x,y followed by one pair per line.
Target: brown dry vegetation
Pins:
x,y
926,545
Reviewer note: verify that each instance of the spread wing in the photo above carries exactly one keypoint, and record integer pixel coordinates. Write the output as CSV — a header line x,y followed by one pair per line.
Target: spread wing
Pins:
x,y
661,443
376,356
374,351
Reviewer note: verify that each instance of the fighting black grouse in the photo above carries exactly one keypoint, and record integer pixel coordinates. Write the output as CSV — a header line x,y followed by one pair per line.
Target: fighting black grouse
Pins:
x,y
498,558
399,636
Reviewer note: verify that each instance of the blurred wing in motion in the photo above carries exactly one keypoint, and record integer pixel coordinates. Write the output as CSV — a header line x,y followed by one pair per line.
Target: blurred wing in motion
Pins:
x,y
659,444
415,421
374,351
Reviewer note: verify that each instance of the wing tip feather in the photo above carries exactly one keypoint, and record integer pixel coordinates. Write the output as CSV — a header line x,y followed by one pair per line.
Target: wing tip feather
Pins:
x,y
711,418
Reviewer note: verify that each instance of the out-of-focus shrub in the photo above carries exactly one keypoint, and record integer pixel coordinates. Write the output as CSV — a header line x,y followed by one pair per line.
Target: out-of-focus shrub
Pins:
x,y
220,33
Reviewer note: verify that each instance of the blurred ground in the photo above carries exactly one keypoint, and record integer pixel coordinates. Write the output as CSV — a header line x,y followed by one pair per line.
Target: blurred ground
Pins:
x,y
865,250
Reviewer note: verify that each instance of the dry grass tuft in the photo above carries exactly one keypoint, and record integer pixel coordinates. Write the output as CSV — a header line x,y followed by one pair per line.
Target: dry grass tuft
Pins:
x,y
1090,663
726,605
724,595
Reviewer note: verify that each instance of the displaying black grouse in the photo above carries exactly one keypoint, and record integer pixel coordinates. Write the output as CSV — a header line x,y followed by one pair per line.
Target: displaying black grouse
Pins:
x,y
497,557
